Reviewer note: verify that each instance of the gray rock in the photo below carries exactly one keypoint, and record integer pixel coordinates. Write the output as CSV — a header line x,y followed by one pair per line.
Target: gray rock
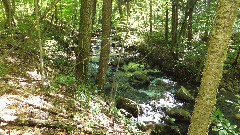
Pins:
x,y
179,114
139,79
129,105
184,94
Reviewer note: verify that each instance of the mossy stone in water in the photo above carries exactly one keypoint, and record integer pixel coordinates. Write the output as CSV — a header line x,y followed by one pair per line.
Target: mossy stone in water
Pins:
x,y
179,114
184,94
140,79
129,105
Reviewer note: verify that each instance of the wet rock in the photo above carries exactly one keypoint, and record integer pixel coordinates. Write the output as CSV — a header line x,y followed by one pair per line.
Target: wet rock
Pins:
x,y
140,79
184,94
160,84
179,114
130,106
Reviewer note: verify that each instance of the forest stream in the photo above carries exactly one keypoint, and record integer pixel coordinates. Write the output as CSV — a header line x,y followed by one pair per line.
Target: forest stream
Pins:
x,y
166,105
168,108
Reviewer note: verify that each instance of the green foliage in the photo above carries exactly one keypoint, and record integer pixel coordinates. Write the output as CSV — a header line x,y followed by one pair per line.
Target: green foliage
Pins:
x,y
64,80
222,125
237,104
3,69
86,92
128,122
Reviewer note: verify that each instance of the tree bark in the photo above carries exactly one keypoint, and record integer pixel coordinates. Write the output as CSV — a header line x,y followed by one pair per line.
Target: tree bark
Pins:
x,y
174,27
190,36
84,41
9,7
105,46
166,25
120,2
189,10
150,16
212,74
94,11
41,63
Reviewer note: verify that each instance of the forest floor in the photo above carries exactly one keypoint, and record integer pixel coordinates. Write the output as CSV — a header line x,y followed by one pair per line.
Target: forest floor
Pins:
x,y
25,110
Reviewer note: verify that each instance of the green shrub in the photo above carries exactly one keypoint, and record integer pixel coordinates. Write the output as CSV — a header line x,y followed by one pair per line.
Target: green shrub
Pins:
x,y
3,69
222,125
64,80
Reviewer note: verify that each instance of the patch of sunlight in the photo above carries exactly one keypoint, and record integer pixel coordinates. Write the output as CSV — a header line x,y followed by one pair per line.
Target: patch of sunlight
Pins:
x,y
34,75
38,101
8,117
25,7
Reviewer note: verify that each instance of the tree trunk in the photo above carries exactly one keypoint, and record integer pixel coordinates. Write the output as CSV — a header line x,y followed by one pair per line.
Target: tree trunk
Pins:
x,y
120,8
105,45
212,74
166,25
41,62
188,12
84,41
94,11
9,7
128,6
174,27
150,16
190,36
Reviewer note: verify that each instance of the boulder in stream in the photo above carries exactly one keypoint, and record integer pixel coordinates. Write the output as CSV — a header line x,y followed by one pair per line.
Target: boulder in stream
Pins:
x,y
179,114
140,79
184,94
129,105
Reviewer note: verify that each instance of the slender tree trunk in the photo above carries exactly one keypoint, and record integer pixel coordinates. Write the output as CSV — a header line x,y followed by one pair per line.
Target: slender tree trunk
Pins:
x,y
94,11
190,36
120,2
174,27
41,65
212,74
128,6
105,46
150,16
9,7
84,41
166,25
189,10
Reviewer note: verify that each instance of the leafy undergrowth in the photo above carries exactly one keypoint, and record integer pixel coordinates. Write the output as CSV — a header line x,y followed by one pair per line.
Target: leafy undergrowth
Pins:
x,y
27,111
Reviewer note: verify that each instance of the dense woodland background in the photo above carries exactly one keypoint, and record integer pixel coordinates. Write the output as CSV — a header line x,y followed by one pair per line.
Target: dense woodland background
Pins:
x,y
82,61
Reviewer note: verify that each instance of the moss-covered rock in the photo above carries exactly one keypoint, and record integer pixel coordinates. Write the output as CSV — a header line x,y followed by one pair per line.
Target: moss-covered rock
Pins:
x,y
140,79
179,114
159,84
129,105
184,94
